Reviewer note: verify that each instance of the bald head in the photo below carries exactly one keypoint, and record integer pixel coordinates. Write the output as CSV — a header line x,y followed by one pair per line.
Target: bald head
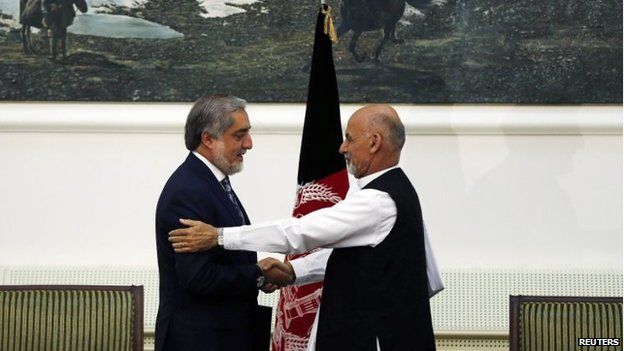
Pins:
x,y
384,119
373,140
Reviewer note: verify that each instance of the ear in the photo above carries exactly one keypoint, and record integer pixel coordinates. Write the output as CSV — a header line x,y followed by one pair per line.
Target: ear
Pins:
x,y
375,143
207,140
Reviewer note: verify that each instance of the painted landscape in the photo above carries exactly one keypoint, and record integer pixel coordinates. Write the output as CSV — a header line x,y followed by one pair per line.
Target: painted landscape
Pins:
x,y
453,51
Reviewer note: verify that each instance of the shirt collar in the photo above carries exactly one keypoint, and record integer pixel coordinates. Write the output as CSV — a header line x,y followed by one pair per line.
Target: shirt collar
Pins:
x,y
217,172
362,182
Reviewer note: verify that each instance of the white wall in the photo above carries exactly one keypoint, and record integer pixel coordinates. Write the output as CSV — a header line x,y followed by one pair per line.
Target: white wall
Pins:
x,y
500,186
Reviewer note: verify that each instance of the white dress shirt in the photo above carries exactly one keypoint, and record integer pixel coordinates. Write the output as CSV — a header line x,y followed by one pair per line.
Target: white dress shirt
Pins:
x,y
217,172
364,218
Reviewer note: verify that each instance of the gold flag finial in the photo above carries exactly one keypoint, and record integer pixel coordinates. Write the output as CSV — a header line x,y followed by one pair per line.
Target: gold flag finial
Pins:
x,y
329,24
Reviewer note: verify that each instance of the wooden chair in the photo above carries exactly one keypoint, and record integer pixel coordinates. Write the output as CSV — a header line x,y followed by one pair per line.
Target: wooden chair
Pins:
x,y
545,323
71,317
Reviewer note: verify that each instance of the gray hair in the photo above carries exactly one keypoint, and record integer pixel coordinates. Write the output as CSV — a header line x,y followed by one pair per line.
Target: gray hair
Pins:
x,y
210,114
392,127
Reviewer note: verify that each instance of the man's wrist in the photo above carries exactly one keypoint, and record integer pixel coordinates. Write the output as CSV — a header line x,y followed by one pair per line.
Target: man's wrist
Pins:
x,y
293,275
220,237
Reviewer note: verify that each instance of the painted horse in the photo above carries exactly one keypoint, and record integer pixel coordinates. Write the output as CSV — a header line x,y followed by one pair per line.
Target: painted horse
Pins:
x,y
51,16
369,15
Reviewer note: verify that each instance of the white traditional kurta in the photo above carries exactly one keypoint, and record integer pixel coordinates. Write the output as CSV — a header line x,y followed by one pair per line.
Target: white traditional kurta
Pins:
x,y
363,218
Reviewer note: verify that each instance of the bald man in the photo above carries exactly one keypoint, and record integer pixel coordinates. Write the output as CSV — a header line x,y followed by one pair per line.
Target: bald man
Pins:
x,y
375,294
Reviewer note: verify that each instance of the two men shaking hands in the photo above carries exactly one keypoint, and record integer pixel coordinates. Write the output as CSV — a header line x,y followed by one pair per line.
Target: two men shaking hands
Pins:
x,y
377,235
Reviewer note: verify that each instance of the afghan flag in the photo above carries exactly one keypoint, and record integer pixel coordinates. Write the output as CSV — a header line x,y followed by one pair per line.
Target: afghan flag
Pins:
x,y
321,182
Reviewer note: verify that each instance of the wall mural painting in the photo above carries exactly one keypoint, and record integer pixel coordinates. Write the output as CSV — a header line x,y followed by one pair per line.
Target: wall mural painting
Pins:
x,y
400,51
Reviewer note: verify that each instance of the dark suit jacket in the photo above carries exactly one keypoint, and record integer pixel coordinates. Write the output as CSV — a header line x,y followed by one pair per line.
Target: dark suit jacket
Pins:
x,y
207,299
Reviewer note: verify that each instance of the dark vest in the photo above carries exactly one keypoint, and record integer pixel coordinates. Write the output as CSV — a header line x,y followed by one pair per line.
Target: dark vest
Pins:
x,y
380,292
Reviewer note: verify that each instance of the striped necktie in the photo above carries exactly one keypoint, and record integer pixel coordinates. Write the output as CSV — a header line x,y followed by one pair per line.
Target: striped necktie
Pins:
x,y
230,193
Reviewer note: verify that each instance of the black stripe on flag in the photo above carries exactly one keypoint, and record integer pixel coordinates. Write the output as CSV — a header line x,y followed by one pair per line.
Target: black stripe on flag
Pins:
x,y
322,132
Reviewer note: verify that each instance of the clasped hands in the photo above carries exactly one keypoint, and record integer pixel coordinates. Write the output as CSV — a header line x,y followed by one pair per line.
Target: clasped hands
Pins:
x,y
199,236
277,274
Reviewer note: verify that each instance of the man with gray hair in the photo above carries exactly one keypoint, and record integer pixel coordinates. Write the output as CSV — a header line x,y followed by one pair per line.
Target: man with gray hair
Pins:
x,y
376,290
208,300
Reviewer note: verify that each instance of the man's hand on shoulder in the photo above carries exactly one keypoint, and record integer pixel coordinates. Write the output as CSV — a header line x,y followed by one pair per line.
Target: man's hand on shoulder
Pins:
x,y
198,236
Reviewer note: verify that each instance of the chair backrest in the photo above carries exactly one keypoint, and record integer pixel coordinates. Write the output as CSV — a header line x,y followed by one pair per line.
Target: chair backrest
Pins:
x,y
71,317
541,323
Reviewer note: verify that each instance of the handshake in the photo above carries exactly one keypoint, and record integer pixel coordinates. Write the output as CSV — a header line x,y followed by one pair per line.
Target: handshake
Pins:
x,y
277,274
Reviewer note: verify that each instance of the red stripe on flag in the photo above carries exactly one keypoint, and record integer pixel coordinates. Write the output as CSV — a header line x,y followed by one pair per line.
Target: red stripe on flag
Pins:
x,y
298,305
